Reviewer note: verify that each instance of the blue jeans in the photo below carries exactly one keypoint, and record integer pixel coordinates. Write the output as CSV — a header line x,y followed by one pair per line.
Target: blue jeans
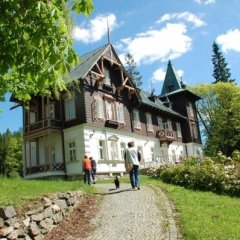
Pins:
x,y
134,176
87,176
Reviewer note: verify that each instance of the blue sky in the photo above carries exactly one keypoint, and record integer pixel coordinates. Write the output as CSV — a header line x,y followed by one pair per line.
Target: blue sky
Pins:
x,y
154,32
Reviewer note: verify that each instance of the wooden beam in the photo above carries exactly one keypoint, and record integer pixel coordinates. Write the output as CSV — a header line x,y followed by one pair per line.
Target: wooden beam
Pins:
x,y
97,74
100,70
111,61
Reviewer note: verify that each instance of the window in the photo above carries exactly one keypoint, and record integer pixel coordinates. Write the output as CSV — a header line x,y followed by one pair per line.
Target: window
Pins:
x,y
119,112
102,148
160,122
109,110
152,153
51,110
123,148
136,119
114,150
194,131
191,110
33,117
70,112
170,88
107,79
149,122
179,132
72,151
53,154
169,123
99,108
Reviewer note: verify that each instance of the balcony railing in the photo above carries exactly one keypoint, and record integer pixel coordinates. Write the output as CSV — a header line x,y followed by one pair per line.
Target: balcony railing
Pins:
x,y
45,123
112,123
166,135
44,168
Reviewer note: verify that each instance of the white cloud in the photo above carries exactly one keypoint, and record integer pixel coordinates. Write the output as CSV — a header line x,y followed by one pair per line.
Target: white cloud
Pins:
x,y
186,16
159,75
206,2
230,40
95,29
180,72
162,44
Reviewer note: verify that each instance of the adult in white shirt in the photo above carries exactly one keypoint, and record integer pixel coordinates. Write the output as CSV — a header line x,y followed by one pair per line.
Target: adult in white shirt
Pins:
x,y
132,158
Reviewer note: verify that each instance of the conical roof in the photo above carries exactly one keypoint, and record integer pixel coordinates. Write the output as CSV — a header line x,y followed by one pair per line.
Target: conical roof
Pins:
x,y
172,81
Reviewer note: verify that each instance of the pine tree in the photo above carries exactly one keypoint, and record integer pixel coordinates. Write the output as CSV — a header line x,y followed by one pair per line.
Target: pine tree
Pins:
x,y
132,71
221,72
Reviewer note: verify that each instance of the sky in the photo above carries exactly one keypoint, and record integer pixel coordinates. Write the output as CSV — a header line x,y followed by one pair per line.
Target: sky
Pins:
x,y
155,32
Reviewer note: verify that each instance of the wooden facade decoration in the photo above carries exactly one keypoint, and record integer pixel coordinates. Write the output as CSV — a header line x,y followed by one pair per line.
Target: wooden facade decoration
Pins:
x,y
107,110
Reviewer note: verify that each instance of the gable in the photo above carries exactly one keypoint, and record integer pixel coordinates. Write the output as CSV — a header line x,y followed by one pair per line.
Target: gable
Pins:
x,y
95,64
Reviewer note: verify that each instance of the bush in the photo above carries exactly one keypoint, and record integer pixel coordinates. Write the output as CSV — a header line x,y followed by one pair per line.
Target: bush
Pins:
x,y
220,176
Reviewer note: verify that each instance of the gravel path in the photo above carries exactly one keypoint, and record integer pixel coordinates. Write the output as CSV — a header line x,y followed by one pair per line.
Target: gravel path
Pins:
x,y
127,214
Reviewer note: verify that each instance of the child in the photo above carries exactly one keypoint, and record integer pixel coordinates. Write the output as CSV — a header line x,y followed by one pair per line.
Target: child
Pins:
x,y
117,183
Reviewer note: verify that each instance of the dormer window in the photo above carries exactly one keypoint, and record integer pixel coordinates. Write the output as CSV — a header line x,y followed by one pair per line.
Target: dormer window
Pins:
x,y
170,88
107,79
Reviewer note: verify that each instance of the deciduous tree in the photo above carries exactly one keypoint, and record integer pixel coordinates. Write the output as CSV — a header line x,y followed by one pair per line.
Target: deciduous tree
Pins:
x,y
36,45
219,109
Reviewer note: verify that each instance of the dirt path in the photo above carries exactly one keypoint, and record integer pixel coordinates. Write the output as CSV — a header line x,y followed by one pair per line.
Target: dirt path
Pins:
x,y
122,214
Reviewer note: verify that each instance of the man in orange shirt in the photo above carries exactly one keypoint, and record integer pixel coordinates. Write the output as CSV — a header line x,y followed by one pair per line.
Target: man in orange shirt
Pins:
x,y
86,165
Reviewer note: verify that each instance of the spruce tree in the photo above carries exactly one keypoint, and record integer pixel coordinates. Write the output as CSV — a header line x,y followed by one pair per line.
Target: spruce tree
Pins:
x,y
221,72
132,70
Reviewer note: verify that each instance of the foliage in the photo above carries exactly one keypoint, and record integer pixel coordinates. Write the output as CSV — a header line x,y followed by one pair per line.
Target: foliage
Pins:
x,y
11,160
36,45
221,175
132,71
221,72
219,111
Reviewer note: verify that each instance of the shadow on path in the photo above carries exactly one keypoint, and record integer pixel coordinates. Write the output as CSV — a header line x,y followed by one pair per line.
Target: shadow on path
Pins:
x,y
113,191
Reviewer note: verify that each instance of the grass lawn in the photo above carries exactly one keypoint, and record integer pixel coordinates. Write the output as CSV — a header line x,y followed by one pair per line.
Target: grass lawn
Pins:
x,y
204,215
15,192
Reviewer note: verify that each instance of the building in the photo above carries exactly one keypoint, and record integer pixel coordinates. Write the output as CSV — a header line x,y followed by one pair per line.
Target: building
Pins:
x,y
100,114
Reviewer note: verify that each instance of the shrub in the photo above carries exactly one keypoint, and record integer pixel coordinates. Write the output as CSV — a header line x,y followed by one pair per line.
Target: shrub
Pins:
x,y
219,175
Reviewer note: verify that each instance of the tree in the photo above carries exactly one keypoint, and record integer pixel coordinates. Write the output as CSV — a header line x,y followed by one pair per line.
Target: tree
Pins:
x,y
221,72
132,71
219,110
11,159
36,45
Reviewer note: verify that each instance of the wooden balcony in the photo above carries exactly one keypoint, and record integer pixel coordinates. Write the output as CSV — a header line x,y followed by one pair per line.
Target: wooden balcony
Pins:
x,y
165,135
45,168
112,123
45,123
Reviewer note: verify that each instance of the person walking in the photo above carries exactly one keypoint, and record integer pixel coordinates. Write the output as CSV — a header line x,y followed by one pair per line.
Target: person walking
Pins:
x,y
86,167
132,158
93,169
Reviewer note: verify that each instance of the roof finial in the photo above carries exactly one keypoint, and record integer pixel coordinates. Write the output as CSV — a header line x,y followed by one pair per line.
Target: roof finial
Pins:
x,y
109,37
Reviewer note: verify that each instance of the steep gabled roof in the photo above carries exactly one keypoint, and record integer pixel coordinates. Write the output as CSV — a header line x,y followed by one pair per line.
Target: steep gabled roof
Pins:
x,y
158,104
172,81
87,61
